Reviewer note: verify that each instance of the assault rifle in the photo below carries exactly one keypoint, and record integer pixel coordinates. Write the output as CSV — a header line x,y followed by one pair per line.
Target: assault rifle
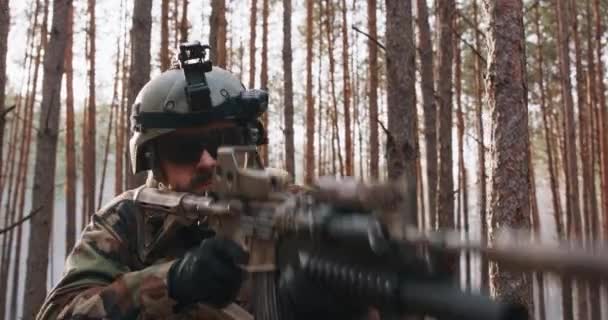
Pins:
x,y
344,242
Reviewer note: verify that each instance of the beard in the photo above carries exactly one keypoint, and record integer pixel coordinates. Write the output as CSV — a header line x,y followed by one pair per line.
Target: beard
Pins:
x,y
200,178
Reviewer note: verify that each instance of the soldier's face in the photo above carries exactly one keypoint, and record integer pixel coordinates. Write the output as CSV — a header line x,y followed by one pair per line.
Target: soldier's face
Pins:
x,y
187,157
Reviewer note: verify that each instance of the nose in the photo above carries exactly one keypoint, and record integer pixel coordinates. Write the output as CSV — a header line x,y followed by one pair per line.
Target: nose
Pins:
x,y
206,161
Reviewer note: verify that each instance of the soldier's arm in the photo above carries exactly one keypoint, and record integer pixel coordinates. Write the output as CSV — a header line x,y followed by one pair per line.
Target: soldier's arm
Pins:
x,y
98,282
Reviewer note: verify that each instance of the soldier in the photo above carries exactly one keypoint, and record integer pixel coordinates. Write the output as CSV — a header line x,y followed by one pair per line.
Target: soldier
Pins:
x,y
133,264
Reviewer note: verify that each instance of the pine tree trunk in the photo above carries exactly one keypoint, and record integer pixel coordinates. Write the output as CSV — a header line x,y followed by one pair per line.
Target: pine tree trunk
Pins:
x,y
337,150
91,114
348,142
481,155
374,143
44,175
321,165
535,224
401,75
310,111
140,64
121,126
183,24
594,220
463,195
445,195
507,98
164,35
581,285
70,142
114,109
571,174
217,34
252,35
427,83
603,114
13,177
264,68
5,23
288,90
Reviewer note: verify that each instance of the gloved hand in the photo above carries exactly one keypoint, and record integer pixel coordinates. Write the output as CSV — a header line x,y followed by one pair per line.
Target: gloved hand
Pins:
x,y
209,273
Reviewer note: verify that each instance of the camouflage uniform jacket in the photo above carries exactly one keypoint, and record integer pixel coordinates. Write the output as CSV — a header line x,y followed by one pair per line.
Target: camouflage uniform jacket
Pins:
x,y
105,277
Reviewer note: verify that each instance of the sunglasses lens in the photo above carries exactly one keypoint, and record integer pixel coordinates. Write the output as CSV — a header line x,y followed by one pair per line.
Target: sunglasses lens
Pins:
x,y
187,149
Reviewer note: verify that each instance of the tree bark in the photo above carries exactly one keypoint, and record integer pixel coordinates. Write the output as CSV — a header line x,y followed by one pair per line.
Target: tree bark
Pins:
x,y
481,155
140,64
264,68
310,102
183,24
594,221
44,176
91,113
400,70
445,195
217,34
288,90
463,195
5,23
164,35
70,141
581,285
507,98
337,149
427,83
348,142
252,35
373,91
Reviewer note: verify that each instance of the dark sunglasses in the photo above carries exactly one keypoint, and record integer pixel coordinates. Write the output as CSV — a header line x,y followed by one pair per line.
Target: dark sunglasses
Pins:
x,y
187,148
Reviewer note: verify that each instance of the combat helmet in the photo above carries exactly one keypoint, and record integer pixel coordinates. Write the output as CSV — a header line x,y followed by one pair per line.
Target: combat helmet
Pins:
x,y
192,94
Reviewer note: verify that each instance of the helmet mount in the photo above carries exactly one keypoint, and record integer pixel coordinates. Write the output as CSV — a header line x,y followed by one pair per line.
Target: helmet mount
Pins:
x,y
192,61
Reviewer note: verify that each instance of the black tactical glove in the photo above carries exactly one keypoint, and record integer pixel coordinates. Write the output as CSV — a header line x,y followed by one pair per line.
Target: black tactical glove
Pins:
x,y
209,273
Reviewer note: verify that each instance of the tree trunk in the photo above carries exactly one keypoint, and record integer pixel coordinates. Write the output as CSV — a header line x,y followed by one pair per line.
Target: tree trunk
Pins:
x,y
445,196
91,113
463,195
288,89
252,34
70,142
310,102
400,70
481,155
373,91
140,64
603,113
5,16
264,68
593,222
427,83
348,142
217,34
164,35
183,25
535,224
581,285
12,182
321,165
507,98
121,126
44,176
114,108
329,23
18,199
571,174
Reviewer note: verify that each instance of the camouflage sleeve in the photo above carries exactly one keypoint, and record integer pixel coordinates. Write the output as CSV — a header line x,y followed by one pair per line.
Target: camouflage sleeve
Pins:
x,y
99,284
